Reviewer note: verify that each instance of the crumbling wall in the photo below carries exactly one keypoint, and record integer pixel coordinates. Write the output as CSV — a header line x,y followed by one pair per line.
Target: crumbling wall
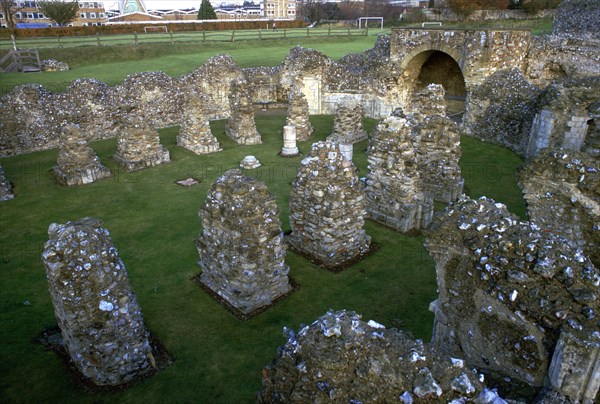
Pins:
x,y
507,289
565,117
562,190
394,188
138,144
327,208
152,95
241,127
347,125
501,110
578,18
241,248
98,314
342,359
195,133
77,163
214,79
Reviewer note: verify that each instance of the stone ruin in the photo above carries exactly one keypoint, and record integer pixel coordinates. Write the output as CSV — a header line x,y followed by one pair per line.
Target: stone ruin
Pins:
x,y
342,359
297,115
5,187
395,194
347,125
241,127
53,65
327,209
98,314
508,292
241,248
77,163
195,133
438,145
577,18
138,145
562,190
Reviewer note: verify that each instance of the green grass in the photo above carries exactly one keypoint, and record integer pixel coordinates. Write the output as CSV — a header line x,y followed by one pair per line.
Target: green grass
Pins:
x,y
153,223
111,64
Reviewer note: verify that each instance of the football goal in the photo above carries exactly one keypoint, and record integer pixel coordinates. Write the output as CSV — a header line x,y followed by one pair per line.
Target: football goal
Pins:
x,y
156,28
367,19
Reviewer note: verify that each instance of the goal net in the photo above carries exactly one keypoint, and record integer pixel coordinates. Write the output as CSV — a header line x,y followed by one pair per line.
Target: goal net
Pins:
x,y
367,19
156,28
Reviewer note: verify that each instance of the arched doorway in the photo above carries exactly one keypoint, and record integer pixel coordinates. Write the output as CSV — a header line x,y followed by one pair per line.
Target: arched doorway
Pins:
x,y
434,66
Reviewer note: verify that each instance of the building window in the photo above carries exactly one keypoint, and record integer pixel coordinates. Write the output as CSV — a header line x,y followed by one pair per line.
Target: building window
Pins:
x,y
82,15
42,16
1,15
30,15
92,15
101,15
18,15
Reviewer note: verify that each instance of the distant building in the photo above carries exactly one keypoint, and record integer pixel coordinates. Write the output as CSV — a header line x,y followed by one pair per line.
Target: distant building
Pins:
x,y
29,15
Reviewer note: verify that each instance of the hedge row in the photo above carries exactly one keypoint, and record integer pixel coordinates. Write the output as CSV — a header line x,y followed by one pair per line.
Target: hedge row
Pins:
x,y
131,28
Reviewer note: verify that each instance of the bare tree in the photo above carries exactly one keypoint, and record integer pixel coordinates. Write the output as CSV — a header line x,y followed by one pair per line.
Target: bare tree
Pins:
x,y
9,8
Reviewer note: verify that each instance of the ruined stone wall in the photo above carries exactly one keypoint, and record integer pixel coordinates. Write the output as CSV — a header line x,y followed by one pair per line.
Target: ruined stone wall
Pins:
x,y
5,187
195,133
506,290
501,110
577,18
341,358
562,190
241,248
96,309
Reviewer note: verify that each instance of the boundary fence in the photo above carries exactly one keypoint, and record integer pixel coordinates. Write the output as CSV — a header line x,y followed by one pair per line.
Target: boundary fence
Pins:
x,y
183,37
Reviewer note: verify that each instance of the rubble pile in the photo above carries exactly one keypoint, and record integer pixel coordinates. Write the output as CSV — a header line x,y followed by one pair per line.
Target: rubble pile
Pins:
x,y
53,65
327,209
562,190
241,127
138,145
195,133
297,115
77,163
5,187
341,358
241,248
395,195
507,290
347,125
437,140
98,314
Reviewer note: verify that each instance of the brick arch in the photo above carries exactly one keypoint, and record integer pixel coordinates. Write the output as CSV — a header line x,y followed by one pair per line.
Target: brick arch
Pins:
x,y
441,47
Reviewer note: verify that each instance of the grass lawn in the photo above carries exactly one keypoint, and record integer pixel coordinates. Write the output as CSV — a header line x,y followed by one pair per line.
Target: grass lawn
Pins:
x,y
153,222
111,64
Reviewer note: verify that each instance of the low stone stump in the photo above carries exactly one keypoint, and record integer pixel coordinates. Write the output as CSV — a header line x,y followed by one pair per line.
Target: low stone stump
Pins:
x,y
241,127
77,162
241,248
327,209
289,148
96,309
5,187
53,65
138,145
347,125
195,134
395,195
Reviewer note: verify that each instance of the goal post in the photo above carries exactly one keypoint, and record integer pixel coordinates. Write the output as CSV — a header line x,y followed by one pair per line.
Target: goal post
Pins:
x,y
366,20
156,28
